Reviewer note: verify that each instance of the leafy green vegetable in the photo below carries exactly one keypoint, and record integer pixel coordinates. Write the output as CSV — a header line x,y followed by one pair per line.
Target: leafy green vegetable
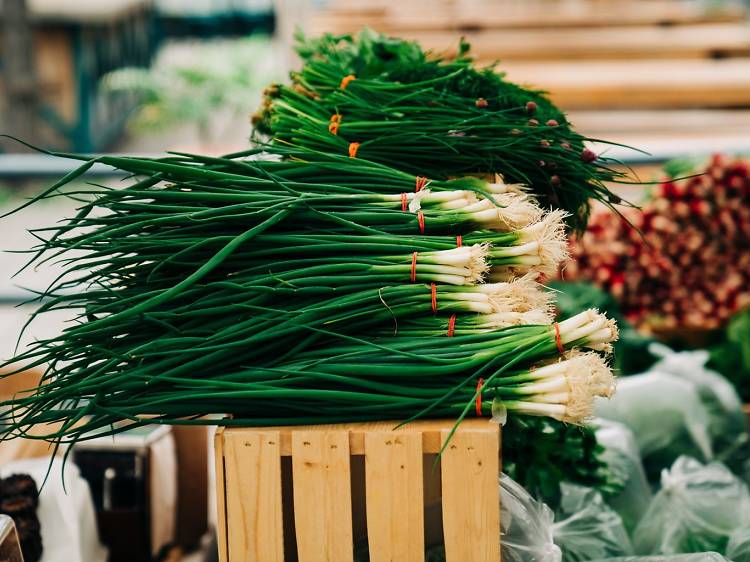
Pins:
x,y
435,117
540,453
732,357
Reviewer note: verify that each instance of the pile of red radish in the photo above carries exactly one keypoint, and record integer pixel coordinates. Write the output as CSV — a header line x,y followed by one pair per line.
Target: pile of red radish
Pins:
x,y
684,261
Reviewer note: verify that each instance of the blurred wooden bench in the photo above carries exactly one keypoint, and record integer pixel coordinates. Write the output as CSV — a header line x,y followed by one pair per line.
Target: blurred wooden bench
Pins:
x,y
675,84
395,17
630,42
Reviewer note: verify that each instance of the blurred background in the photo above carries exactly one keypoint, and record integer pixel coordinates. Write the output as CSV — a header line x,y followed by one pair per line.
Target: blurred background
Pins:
x,y
671,77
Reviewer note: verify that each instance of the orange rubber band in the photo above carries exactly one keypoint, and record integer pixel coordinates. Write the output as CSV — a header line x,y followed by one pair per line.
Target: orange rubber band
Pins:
x,y
413,276
333,126
433,289
353,148
459,241
478,401
346,80
558,339
451,325
420,183
420,220
404,204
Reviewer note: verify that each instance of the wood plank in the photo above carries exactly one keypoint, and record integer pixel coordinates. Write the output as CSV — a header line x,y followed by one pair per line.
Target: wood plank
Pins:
x,y
695,41
430,431
612,84
471,495
395,504
221,498
253,478
322,489
664,122
470,15
85,11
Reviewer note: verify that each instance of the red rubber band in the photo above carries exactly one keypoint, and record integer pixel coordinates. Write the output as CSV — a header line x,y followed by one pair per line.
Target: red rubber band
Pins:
x,y
459,241
420,183
353,148
404,203
451,325
420,220
478,401
413,277
346,80
558,339
433,289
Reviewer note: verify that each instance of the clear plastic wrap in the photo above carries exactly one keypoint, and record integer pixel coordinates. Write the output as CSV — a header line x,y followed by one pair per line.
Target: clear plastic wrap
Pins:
x,y
665,414
697,510
738,549
727,424
526,526
624,461
697,557
587,528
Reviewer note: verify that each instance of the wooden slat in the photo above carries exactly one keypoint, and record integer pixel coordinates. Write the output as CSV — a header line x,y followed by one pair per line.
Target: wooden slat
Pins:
x,y
395,505
696,41
430,430
322,490
471,495
392,16
672,84
221,500
252,468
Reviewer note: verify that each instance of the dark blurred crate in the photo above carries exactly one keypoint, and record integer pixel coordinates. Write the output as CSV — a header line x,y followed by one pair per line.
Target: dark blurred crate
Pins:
x,y
135,511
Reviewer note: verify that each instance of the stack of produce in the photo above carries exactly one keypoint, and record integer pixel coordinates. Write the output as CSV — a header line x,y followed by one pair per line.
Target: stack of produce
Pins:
x,y
388,101
315,290
683,260
344,271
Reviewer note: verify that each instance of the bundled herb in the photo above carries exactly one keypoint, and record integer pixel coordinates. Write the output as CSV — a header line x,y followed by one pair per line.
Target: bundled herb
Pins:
x,y
273,291
385,100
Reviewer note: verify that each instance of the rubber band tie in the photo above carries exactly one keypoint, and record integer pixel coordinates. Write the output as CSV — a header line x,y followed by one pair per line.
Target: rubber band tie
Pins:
x,y
478,401
451,325
558,339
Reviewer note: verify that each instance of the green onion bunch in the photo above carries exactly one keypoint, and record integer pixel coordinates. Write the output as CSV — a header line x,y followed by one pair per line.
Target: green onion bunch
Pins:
x,y
310,288
386,100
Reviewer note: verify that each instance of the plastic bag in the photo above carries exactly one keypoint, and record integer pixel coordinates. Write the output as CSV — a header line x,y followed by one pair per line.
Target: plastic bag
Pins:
x,y
624,461
738,549
66,515
665,414
697,557
727,424
697,509
525,526
588,528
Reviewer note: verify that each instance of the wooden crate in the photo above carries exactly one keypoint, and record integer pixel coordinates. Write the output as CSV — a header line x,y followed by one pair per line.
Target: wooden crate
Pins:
x,y
288,493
